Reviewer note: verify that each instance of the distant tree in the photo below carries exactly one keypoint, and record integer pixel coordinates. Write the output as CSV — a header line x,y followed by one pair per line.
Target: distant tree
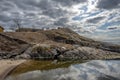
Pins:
x,y
16,24
12,27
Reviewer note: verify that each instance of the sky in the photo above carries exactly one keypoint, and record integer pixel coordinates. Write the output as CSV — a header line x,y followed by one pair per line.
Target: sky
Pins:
x,y
96,19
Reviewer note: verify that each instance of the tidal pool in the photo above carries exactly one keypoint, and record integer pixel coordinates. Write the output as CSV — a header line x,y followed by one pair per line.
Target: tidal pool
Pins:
x,y
70,70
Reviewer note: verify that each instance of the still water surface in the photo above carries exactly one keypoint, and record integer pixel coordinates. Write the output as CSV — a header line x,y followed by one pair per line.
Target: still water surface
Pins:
x,y
91,70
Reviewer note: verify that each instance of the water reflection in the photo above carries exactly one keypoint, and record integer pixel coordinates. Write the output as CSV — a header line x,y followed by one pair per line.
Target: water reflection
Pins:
x,y
93,70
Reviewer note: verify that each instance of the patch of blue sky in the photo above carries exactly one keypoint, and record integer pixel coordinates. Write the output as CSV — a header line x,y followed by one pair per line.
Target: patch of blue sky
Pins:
x,y
97,33
113,32
114,36
106,25
77,18
95,13
84,8
117,32
111,16
81,16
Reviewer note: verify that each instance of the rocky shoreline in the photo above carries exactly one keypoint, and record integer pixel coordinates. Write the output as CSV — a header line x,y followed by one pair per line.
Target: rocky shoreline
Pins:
x,y
46,52
60,44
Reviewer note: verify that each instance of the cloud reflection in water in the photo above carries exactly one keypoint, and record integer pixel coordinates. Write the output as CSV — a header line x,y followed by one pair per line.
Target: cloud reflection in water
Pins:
x,y
93,70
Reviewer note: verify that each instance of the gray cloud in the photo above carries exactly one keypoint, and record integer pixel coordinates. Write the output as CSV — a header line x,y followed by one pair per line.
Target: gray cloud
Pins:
x,y
4,18
61,22
95,20
54,13
69,2
31,11
108,4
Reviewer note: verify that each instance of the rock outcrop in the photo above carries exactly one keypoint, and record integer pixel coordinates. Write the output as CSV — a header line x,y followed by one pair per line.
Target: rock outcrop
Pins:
x,y
81,53
44,45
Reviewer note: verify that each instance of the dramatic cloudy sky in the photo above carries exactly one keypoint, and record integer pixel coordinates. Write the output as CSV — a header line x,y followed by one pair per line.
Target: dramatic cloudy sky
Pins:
x,y
98,19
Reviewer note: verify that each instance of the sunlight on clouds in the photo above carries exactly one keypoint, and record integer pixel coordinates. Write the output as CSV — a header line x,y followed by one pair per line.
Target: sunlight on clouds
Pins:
x,y
75,8
83,16
91,5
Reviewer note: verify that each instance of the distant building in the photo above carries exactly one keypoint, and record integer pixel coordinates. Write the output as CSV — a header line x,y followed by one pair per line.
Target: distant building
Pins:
x,y
1,29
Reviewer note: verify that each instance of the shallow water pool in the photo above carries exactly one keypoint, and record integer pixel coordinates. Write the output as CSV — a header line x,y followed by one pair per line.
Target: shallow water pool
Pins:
x,y
46,70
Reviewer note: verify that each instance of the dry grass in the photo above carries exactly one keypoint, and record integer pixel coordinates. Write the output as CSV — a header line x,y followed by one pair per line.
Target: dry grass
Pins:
x,y
62,37
30,37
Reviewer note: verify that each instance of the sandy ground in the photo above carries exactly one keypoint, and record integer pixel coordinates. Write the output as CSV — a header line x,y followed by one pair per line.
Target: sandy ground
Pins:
x,y
7,65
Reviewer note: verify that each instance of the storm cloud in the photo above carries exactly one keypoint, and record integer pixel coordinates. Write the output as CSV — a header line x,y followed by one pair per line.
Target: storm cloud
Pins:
x,y
69,2
95,20
108,4
34,10
83,16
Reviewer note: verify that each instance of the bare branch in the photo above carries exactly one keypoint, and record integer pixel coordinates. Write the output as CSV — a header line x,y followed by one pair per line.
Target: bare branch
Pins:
x,y
17,24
